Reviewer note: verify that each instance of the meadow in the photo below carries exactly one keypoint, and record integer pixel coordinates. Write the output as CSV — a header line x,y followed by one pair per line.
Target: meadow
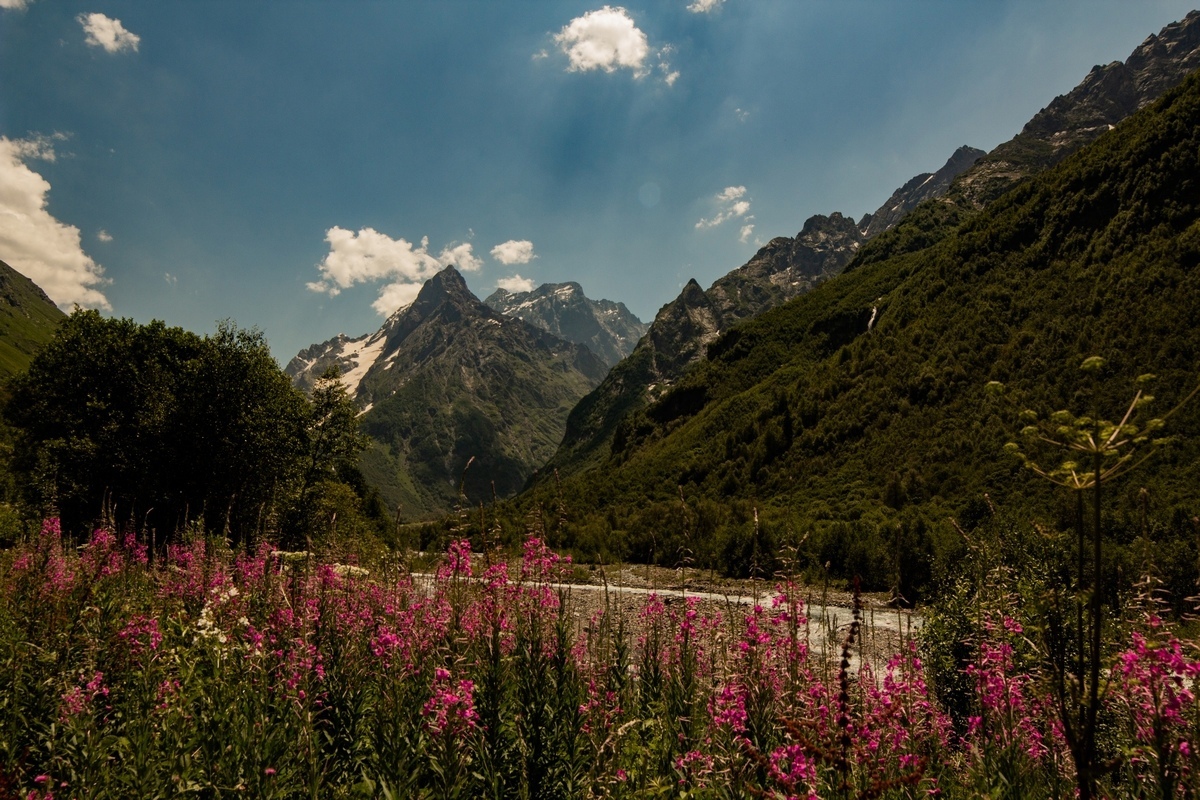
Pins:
x,y
208,672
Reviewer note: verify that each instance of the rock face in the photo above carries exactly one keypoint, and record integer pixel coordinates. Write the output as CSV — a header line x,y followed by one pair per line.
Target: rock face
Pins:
x,y
27,320
1108,94
455,396
608,329
923,187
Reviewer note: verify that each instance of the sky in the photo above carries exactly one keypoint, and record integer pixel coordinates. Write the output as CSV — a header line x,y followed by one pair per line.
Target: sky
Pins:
x,y
302,167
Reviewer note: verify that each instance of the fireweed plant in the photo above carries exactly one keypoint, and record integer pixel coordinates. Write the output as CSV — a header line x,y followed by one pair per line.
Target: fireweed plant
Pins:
x,y
270,674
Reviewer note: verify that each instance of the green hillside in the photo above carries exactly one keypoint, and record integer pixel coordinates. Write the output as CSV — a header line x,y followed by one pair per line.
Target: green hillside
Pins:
x,y
27,320
857,434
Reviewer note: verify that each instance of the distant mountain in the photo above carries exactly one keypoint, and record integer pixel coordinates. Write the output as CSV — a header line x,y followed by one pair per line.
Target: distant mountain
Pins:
x,y
608,329
448,382
855,422
27,320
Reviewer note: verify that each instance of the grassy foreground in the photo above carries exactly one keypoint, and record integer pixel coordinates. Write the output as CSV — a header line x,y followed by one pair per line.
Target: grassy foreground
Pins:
x,y
210,673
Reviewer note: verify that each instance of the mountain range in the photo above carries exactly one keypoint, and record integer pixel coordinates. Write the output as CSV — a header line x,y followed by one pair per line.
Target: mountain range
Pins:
x,y
854,421
606,328
463,402
913,218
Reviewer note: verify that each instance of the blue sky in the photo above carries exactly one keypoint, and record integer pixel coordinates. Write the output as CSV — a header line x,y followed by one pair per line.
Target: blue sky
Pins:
x,y
303,166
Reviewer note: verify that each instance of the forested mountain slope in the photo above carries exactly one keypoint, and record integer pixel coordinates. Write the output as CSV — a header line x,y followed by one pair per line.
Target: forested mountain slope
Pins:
x,y
28,319
857,413
681,331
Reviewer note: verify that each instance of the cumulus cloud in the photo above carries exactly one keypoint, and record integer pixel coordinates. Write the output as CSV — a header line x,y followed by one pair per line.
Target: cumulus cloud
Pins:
x,y
103,235
747,232
108,33
732,203
515,284
368,256
32,241
607,39
514,252
15,5
704,6
394,297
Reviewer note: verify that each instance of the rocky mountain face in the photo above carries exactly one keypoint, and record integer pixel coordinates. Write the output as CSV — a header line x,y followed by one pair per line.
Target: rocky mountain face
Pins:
x,y
608,329
455,396
27,320
925,186
1109,94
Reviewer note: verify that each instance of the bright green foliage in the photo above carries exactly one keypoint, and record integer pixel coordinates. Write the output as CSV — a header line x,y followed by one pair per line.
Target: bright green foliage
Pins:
x,y
861,436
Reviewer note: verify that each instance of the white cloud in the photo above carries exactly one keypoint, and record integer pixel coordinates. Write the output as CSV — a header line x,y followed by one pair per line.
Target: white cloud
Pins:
x,y
460,255
369,256
32,241
515,284
664,65
704,6
103,235
747,232
171,279
395,296
514,252
741,114
108,33
15,5
732,205
606,39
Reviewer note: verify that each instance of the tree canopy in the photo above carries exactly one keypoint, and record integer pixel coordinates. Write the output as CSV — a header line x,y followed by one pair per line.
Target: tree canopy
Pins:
x,y
162,427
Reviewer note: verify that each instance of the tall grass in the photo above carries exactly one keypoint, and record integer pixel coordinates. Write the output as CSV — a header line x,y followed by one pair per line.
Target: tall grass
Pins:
x,y
210,673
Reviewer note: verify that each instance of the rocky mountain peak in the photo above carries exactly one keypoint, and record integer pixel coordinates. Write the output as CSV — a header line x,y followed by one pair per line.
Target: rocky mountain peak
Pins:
x,y
445,285
606,328
1107,95
921,188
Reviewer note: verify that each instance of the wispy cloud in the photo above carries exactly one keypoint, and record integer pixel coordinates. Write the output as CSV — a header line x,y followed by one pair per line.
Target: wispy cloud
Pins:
x,y
14,5
368,256
747,232
704,6
732,203
108,33
664,65
103,235
514,252
33,242
515,284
